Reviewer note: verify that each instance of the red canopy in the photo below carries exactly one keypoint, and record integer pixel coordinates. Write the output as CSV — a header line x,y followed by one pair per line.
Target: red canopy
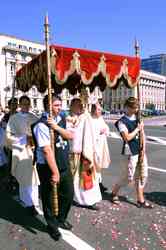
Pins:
x,y
72,68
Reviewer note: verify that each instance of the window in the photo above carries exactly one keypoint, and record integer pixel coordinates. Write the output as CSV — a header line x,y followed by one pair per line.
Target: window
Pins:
x,y
35,103
25,48
34,92
13,45
34,50
12,69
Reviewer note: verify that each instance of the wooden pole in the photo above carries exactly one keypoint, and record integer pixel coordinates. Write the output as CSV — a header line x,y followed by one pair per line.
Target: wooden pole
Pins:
x,y
137,54
12,111
46,25
140,157
54,185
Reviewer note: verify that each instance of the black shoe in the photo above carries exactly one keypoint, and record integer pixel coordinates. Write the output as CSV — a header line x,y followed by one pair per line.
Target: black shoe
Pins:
x,y
65,225
144,204
102,187
32,211
54,233
93,207
69,224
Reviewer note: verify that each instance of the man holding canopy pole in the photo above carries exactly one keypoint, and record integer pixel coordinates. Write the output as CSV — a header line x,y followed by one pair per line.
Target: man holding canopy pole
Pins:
x,y
50,136
53,167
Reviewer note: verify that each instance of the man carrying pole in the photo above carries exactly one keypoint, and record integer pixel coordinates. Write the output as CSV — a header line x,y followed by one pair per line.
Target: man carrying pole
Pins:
x,y
129,129
134,166
52,152
53,167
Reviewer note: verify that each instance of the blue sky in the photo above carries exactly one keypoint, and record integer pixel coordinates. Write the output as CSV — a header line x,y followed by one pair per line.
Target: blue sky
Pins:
x,y
104,25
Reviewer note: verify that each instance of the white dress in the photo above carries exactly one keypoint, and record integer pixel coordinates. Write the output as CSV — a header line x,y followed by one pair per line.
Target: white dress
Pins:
x,y
17,130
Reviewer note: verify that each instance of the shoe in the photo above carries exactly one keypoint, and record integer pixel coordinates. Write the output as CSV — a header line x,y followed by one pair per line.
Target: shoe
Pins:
x,y
115,199
65,225
32,211
54,233
69,224
93,207
144,204
102,187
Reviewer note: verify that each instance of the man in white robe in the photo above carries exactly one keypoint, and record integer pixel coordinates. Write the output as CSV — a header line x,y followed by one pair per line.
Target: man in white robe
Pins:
x,y
83,145
18,135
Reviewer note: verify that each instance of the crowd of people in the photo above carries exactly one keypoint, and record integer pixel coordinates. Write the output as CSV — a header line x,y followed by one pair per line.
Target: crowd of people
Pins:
x,y
30,164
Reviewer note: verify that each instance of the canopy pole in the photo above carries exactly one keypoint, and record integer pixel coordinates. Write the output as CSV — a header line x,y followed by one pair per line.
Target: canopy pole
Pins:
x,y
46,25
141,156
14,86
137,54
54,185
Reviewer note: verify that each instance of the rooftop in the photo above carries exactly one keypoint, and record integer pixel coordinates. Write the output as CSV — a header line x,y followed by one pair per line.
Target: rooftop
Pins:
x,y
11,36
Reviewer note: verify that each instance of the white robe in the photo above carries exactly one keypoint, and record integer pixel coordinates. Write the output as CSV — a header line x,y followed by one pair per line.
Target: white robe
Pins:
x,y
102,155
17,130
83,142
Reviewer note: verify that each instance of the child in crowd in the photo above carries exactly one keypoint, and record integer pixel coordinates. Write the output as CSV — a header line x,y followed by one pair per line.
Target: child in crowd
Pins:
x,y
3,160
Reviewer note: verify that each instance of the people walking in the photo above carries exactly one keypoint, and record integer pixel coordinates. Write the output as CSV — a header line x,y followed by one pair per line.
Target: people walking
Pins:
x,y
86,184
53,167
12,106
3,160
18,134
129,128
1,113
100,132
12,184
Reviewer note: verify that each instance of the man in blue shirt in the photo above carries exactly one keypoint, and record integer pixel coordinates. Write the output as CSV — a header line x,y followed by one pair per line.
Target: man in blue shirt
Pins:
x,y
54,166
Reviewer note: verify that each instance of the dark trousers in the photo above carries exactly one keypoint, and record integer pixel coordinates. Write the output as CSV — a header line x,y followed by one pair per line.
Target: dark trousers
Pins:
x,y
65,194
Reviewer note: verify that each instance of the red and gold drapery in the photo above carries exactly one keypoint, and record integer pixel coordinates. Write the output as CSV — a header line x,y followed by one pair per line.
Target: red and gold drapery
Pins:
x,y
74,68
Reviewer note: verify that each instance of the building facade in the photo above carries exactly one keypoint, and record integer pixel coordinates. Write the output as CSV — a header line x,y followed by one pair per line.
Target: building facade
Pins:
x,y
17,52
155,63
152,92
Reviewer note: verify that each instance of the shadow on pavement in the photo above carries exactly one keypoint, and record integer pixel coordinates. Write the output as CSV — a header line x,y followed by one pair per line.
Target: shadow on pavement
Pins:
x,y
12,211
157,197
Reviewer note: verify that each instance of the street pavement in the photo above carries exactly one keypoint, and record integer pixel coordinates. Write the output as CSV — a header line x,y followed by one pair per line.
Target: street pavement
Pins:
x,y
123,227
